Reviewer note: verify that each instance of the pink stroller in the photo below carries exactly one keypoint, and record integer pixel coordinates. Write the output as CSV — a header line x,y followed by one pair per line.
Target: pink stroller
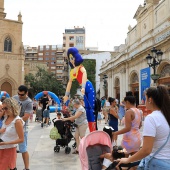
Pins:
x,y
91,147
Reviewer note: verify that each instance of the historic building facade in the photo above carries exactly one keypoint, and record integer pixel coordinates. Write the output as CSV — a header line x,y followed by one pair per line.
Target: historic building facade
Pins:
x,y
152,30
11,53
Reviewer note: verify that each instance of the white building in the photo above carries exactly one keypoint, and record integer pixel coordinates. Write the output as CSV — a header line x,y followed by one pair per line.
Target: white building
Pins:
x,y
124,70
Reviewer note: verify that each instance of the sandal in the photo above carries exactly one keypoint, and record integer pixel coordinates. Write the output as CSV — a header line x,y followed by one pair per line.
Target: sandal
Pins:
x,y
75,152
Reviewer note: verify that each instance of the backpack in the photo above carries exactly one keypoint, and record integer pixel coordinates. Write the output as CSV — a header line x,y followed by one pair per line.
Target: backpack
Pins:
x,y
97,105
54,135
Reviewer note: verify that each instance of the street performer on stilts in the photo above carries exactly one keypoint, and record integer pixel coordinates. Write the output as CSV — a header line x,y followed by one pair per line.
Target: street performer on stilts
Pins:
x,y
78,72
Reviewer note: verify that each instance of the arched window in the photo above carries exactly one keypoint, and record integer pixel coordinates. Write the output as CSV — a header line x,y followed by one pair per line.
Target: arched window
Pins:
x,y
134,78
165,71
117,82
8,45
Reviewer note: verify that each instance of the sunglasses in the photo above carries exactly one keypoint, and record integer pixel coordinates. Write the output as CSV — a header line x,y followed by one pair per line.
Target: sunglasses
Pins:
x,y
21,94
4,108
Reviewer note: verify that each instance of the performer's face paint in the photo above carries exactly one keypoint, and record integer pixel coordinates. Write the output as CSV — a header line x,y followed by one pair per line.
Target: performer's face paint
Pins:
x,y
72,60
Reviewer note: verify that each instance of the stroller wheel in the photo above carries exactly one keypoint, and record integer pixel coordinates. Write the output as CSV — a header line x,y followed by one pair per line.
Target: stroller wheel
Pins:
x,y
73,129
67,150
74,145
56,149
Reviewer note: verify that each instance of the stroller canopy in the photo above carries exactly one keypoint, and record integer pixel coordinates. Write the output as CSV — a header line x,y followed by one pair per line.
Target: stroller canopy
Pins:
x,y
97,138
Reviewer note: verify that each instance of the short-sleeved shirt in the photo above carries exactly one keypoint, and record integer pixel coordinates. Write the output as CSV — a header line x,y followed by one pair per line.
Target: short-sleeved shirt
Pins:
x,y
82,119
155,125
26,106
44,102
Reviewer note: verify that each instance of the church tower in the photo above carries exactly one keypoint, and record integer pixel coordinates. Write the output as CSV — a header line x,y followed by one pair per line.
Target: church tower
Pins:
x,y
2,14
11,53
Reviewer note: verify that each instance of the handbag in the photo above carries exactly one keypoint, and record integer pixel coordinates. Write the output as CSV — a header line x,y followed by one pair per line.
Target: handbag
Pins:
x,y
145,162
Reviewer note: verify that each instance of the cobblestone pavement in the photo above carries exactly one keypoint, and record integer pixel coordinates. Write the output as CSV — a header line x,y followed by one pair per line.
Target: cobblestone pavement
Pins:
x,y
41,150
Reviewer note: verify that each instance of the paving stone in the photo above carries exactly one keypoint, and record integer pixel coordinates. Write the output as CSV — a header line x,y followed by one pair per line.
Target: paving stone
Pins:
x,y
41,150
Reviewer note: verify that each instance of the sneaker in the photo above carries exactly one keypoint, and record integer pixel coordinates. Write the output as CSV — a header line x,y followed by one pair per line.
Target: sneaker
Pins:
x,y
42,124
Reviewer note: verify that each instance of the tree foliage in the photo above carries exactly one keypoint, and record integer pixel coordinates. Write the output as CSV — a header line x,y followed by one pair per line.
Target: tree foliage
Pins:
x,y
44,81
90,65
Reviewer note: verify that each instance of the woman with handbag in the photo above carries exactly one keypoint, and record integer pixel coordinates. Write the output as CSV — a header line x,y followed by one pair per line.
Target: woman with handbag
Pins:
x,y
155,152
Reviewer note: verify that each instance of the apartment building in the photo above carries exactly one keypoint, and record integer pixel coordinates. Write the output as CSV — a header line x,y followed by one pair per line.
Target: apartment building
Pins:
x,y
31,63
52,55
31,53
59,64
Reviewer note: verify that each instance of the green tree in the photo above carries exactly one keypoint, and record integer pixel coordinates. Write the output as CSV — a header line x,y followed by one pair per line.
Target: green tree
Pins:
x,y
44,81
90,66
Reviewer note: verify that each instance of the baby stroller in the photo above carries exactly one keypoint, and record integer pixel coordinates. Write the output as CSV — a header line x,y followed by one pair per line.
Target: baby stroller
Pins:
x,y
94,145
38,115
66,135
91,147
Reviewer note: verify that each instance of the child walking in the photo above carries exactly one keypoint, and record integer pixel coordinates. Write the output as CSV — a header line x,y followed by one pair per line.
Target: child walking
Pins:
x,y
99,118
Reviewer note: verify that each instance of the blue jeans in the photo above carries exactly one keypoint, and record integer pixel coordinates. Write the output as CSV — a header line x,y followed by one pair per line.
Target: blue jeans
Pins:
x,y
23,145
159,164
155,164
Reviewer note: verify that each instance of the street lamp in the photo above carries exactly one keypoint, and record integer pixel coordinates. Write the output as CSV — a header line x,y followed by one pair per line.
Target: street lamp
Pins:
x,y
153,61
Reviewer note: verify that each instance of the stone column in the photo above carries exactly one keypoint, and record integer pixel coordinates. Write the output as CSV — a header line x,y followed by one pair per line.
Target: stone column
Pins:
x,y
109,84
122,83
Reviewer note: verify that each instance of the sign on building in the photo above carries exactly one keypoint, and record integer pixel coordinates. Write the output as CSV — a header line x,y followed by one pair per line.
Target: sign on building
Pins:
x,y
145,81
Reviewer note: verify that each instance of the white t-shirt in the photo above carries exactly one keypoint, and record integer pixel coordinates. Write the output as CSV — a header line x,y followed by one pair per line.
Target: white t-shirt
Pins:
x,y
10,133
155,125
107,103
82,119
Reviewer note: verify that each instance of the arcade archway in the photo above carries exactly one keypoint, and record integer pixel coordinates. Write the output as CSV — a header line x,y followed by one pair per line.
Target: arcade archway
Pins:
x,y
134,83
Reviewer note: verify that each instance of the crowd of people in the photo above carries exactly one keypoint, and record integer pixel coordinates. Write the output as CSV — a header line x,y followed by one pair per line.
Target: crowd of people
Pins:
x,y
153,148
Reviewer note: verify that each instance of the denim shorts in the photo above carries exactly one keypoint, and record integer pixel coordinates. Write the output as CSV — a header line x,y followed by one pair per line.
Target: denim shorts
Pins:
x,y
154,164
23,145
159,164
46,113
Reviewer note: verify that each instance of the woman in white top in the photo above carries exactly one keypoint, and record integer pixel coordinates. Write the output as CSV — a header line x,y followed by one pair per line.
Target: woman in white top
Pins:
x,y
156,132
11,134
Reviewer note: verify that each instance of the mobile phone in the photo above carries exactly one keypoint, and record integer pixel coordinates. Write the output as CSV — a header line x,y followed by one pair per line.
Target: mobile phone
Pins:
x,y
1,140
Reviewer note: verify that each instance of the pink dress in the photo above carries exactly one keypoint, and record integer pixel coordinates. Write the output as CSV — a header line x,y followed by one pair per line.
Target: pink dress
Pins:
x,y
132,140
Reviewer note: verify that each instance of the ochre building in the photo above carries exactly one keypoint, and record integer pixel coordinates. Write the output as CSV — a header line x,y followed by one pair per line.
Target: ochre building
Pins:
x,y
11,53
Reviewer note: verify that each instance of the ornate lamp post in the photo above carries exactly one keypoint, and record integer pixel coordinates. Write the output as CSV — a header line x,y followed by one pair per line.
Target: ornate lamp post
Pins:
x,y
153,61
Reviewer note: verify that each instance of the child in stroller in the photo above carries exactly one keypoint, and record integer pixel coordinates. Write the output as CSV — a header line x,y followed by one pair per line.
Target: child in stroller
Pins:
x,y
93,146
66,135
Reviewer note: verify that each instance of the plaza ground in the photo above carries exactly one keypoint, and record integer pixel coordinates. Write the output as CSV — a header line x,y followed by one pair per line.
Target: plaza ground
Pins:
x,y
41,150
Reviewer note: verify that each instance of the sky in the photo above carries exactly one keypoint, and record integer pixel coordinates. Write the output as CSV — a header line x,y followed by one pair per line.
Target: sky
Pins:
x,y
44,21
